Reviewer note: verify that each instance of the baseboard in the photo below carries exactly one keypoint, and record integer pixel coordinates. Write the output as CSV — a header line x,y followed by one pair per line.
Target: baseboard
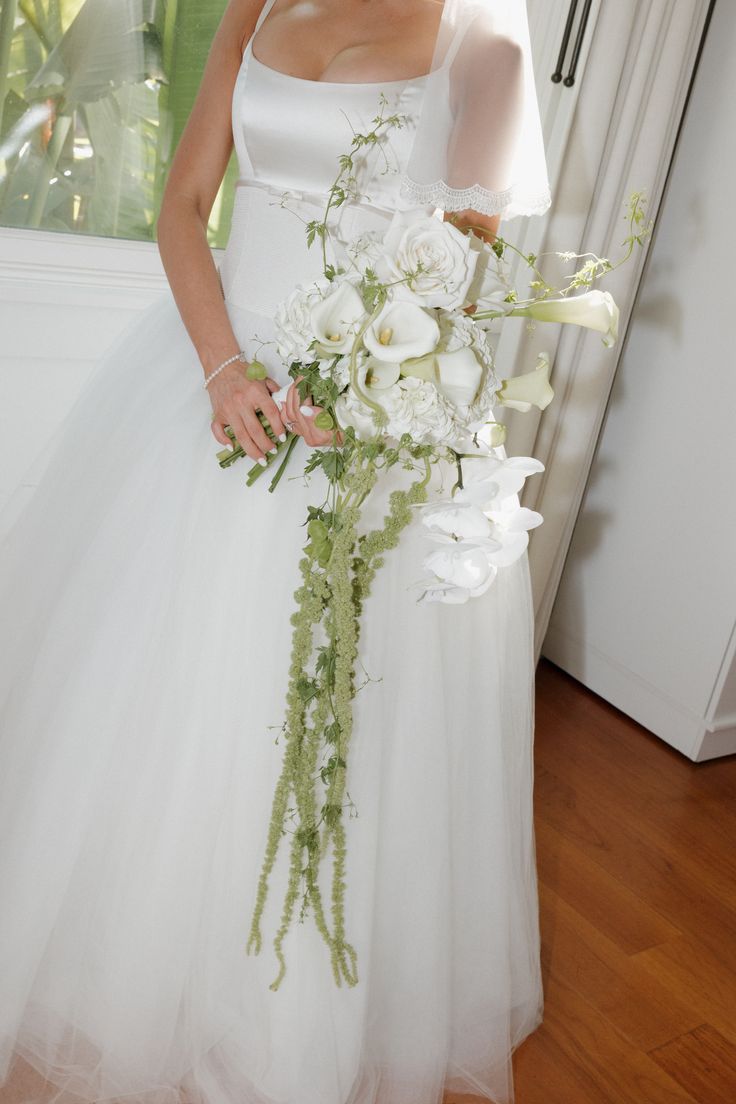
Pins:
x,y
668,719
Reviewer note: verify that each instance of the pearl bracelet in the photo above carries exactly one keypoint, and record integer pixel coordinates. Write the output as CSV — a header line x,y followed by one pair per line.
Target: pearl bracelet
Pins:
x,y
238,356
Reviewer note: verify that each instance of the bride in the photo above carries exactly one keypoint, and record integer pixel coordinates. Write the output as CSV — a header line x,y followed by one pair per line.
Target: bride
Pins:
x,y
145,608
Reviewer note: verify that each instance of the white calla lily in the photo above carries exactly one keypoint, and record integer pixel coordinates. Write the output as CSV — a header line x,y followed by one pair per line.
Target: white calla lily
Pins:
x,y
460,374
336,319
378,374
456,375
402,330
528,389
596,310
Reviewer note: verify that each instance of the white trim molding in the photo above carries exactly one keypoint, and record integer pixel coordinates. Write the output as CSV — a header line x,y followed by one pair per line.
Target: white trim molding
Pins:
x,y
84,266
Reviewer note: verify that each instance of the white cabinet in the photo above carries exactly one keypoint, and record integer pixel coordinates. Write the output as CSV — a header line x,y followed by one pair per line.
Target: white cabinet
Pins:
x,y
645,613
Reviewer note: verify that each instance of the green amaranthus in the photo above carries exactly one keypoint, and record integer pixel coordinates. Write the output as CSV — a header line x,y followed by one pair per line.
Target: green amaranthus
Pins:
x,y
337,569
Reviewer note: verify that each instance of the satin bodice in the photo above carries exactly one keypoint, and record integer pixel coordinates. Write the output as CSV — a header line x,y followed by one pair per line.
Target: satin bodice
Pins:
x,y
289,134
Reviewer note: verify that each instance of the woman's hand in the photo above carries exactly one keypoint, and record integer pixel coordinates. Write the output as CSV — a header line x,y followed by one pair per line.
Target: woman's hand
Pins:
x,y
235,400
304,423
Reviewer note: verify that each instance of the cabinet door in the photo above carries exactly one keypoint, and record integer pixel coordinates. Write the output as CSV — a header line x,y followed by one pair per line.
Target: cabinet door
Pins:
x,y
612,132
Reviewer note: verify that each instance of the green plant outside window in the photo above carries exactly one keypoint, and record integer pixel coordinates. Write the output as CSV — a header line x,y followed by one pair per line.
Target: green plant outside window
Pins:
x,y
94,95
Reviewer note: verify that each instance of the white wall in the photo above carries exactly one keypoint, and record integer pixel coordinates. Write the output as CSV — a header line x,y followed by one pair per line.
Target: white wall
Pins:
x,y
645,611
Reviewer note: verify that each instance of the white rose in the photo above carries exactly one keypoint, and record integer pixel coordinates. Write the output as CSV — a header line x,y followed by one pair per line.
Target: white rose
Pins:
x,y
435,256
336,319
400,331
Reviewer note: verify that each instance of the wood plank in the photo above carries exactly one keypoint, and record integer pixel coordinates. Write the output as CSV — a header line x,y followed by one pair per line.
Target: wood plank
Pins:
x,y
605,902
629,855
619,1072
705,980
684,826
645,1010
703,1063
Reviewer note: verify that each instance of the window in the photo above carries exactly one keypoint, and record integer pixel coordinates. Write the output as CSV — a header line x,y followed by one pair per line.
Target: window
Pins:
x,y
94,95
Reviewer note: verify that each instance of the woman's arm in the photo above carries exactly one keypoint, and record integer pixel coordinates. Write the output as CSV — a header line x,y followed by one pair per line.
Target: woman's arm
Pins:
x,y
195,176
485,226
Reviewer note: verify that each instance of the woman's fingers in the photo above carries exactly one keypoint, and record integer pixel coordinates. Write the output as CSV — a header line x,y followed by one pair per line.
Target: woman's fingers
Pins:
x,y
243,437
220,435
273,416
257,433
292,403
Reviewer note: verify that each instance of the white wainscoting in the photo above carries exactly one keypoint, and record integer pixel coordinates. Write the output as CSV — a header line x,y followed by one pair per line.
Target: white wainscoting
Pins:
x,y
63,300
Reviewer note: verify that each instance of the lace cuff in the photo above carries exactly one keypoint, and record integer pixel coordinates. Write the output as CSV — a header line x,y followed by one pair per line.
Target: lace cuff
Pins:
x,y
509,203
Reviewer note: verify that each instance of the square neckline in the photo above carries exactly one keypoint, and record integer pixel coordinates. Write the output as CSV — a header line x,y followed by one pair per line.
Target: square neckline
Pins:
x,y
250,56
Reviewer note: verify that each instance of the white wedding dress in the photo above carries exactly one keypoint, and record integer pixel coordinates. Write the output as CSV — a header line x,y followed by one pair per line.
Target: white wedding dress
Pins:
x,y
146,597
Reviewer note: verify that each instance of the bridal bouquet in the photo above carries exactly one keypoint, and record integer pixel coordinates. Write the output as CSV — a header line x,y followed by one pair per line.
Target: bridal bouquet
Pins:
x,y
392,343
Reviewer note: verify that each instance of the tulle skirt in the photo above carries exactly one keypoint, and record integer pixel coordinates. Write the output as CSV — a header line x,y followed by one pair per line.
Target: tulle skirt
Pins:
x,y
145,604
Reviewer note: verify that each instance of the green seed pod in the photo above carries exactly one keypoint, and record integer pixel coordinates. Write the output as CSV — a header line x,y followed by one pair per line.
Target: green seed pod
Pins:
x,y
324,420
256,370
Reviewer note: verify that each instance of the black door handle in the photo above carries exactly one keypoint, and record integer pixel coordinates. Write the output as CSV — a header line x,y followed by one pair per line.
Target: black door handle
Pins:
x,y
557,76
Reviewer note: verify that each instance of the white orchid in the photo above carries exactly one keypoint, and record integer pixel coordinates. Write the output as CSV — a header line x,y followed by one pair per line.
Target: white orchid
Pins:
x,y
596,310
511,525
462,565
401,330
528,389
336,319
461,520
491,479
435,260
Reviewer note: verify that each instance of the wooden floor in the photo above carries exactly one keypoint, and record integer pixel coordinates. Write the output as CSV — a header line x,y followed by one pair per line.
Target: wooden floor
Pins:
x,y
636,853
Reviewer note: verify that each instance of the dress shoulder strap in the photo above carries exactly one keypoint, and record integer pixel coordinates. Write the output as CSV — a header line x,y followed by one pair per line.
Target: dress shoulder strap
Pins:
x,y
262,14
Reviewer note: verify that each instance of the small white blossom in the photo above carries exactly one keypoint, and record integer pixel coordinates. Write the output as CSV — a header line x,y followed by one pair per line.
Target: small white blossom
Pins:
x,y
292,319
